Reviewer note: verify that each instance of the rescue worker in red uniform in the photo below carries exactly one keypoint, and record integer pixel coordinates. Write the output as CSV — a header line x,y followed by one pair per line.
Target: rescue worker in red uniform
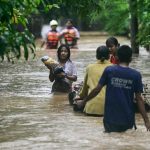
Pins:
x,y
53,36
70,34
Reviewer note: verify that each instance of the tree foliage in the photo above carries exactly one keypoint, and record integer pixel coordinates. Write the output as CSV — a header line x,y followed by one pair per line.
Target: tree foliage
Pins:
x,y
14,34
143,36
78,10
117,17
114,16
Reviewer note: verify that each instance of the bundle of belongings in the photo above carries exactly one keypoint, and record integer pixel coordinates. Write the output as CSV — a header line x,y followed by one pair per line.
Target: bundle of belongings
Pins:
x,y
60,84
50,62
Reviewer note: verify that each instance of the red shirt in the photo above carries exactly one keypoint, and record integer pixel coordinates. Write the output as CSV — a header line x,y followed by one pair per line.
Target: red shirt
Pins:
x,y
113,59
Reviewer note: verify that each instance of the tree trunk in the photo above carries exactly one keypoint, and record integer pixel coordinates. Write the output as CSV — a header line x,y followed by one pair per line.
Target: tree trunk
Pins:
x,y
35,25
134,26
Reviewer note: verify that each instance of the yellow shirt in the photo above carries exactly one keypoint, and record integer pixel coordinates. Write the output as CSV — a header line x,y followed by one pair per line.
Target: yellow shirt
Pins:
x,y
94,106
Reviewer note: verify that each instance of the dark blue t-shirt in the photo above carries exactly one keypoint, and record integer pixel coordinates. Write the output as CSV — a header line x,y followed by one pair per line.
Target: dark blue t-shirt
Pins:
x,y
122,83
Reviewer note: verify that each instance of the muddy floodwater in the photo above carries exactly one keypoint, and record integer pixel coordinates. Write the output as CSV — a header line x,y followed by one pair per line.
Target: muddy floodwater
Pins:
x,y
31,118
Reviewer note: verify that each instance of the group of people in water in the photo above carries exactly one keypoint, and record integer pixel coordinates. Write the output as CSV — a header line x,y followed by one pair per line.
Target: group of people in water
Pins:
x,y
69,35
110,87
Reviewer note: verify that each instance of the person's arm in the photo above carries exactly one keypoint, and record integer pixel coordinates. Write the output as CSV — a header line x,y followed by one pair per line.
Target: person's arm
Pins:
x,y
43,43
63,32
51,74
140,103
84,90
92,94
71,78
61,37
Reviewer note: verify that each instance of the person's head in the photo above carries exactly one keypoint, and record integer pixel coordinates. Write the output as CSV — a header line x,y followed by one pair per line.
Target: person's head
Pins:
x,y
102,53
124,54
112,44
63,52
69,23
53,24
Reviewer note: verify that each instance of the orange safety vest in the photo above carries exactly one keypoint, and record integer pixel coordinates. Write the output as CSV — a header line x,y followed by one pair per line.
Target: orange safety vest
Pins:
x,y
70,39
52,39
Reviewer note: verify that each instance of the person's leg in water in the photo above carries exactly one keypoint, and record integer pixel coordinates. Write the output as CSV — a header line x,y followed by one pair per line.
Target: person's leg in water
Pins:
x,y
116,128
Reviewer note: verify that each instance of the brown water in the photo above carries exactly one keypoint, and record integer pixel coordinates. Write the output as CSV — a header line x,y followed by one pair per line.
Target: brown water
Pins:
x,y
33,119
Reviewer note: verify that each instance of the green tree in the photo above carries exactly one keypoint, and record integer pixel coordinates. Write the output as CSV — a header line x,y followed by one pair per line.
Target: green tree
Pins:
x,y
14,34
134,25
114,15
125,17
78,10
143,36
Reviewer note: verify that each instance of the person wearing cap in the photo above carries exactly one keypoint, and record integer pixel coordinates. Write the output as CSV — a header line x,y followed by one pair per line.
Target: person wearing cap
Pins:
x,y
53,36
70,34
93,72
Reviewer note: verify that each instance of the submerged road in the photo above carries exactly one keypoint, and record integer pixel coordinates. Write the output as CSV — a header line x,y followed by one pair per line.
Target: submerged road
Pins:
x,y
33,119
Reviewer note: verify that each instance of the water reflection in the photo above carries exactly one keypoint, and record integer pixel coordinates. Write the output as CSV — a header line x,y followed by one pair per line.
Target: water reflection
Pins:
x,y
32,118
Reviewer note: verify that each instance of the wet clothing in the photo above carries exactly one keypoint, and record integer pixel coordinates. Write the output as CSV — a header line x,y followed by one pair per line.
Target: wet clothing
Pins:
x,y
52,39
71,35
121,84
64,84
93,72
109,127
61,86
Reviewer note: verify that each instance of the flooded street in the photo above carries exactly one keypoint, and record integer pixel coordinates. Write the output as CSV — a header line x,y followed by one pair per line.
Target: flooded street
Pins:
x,y
31,118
